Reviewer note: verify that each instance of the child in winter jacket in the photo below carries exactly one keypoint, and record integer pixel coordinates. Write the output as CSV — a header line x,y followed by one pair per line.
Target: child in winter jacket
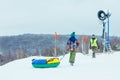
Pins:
x,y
73,45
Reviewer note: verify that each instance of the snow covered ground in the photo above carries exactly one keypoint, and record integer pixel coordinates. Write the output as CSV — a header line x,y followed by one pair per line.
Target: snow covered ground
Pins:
x,y
103,67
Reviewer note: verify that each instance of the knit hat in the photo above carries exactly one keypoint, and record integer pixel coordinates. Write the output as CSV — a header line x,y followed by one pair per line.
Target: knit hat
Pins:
x,y
72,34
93,36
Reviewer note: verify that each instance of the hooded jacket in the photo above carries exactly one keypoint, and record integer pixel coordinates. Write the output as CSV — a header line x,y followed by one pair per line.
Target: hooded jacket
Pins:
x,y
72,42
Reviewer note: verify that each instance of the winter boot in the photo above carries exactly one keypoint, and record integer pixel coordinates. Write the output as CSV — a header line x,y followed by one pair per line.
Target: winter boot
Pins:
x,y
71,64
93,55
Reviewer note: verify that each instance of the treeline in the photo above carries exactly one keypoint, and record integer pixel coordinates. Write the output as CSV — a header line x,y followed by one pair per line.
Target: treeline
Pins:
x,y
16,47
21,46
32,44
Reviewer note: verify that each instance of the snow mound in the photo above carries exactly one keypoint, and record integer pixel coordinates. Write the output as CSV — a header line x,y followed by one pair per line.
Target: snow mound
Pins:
x,y
103,67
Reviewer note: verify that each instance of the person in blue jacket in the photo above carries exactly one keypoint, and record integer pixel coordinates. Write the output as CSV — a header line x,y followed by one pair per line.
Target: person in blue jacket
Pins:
x,y
73,45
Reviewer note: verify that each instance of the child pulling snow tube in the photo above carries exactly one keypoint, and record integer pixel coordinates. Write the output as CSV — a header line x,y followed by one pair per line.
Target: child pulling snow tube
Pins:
x,y
45,63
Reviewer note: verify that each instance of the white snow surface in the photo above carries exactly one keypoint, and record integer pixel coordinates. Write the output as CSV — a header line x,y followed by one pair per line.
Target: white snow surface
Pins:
x,y
103,67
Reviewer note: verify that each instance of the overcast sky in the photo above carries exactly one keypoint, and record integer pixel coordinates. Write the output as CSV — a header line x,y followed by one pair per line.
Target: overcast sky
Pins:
x,y
61,16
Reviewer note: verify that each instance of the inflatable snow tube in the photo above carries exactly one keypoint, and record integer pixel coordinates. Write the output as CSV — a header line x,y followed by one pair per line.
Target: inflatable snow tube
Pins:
x,y
45,63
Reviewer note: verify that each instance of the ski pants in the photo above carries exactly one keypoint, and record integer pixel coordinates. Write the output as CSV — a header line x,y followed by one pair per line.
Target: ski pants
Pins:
x,y
72,56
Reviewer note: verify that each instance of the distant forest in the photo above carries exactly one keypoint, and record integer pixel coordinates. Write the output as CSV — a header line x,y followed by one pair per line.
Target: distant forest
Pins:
x,y
21,46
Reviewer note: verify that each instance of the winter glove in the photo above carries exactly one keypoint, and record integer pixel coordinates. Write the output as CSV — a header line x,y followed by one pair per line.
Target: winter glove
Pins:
x,y
98,47
90,47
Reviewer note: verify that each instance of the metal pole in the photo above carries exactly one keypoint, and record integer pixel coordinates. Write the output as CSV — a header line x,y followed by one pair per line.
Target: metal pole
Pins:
x,y
55,48
108,27
108,44
104,37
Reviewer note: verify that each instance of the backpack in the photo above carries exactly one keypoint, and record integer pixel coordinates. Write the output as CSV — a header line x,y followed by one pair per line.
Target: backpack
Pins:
x,y
73,43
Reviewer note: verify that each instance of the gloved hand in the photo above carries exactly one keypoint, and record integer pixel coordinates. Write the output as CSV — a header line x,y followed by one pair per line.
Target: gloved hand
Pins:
x,y
98,47
90,47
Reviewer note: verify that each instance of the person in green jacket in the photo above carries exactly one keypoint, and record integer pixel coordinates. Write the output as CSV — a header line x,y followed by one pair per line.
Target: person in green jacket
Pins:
x,y
73,45
94,45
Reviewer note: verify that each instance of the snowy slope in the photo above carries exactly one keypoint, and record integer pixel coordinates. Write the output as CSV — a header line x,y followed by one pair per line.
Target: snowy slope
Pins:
x,y
104,67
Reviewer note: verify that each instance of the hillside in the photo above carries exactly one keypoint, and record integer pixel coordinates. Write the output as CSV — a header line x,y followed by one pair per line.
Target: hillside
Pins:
x,y
104,67
30,43
21,46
